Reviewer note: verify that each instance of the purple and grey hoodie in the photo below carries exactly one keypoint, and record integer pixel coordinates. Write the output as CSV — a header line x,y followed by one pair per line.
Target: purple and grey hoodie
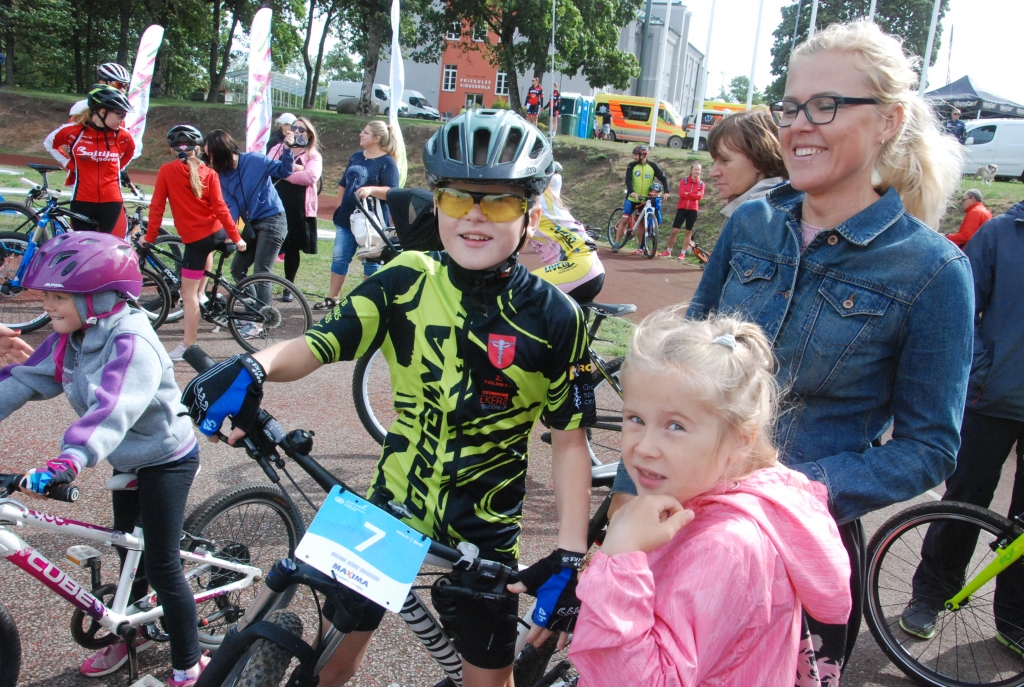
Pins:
x,y
118,378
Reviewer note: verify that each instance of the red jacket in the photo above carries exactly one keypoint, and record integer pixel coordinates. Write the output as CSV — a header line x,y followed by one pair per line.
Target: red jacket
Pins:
x,y
194,218
975,216
98,156
690,192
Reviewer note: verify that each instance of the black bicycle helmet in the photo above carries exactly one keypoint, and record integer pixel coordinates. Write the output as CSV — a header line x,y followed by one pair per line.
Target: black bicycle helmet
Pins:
x,y
496,146
184,135
641,150
104,97
112,71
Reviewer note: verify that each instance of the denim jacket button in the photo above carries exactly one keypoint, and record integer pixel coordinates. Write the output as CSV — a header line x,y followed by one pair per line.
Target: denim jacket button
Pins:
x,y
848,303
748,273
786,294
833,240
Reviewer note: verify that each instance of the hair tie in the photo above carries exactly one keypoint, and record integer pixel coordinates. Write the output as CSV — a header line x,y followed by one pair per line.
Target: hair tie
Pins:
x,y
727,340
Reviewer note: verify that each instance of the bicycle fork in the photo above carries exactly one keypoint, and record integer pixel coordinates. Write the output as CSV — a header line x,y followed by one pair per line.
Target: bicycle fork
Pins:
x,y
1006,555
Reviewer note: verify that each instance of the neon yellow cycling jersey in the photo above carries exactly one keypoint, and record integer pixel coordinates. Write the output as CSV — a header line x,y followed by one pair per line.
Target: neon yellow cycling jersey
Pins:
x,y
640,176
473,366
567,251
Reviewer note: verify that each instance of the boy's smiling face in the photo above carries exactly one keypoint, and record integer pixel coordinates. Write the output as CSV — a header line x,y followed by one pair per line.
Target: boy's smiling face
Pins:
x,y
475,242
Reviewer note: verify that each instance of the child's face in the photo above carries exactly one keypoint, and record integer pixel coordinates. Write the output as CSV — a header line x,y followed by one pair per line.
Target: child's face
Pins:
x,y
476,242
670,443
62,311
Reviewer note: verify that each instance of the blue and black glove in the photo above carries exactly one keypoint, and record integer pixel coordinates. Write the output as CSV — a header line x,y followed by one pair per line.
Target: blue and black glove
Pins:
x,y
232,387
61,470
553,581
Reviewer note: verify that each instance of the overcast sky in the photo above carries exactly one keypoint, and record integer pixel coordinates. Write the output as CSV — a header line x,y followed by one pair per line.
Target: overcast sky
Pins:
x,y
986,42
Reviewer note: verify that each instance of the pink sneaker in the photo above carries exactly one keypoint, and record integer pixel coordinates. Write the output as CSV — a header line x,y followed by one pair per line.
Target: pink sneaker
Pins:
x,y
109,659
188,682
638,251
665,254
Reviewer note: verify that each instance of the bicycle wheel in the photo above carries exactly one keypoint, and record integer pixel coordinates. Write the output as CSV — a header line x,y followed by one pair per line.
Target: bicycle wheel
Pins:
x,y
701,254
15,218
613,221
964,649
650,246
10,649
169,252
19,308
155,299
266,662
606,436
254,524
256,324
374,399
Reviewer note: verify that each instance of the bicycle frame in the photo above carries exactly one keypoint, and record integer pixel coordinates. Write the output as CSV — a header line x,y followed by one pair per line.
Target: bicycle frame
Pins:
x,y
1008,554
33,242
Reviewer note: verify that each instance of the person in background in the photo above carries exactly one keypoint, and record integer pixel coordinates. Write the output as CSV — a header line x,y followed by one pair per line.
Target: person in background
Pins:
x,y
374,165
747,158
641,174
605,113
993,423
954,127
284,125
298,194
12,349
691,190
555,102
109,74
534,101
975,214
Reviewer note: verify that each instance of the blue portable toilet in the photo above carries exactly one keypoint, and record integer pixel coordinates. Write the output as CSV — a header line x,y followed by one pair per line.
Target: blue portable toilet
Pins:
x,y
585,126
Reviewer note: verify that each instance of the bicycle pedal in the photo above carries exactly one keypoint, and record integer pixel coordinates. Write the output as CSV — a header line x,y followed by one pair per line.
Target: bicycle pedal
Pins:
x,y
546,438
81,554
148,681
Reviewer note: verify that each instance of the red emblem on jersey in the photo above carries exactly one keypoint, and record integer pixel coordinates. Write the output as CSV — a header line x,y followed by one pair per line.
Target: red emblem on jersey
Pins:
x,y
501,350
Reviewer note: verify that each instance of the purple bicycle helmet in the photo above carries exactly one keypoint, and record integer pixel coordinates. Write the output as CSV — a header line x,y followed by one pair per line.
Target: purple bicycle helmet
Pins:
x,y
85,262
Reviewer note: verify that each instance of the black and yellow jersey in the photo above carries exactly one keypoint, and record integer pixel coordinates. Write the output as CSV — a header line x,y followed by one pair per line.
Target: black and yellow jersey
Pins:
x,y
473,366
640,176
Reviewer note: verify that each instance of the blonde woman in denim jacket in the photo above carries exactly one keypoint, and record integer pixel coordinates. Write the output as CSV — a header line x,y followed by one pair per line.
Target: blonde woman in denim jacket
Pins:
x,y
869,309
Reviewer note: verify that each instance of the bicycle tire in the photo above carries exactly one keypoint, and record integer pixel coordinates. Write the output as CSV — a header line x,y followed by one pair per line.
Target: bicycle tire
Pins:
x,y
19,308
256,524
960,636
155,298
613,221
650,246
15,218
10,649
606,436
266,662
373,396
702,255
169,251
278,320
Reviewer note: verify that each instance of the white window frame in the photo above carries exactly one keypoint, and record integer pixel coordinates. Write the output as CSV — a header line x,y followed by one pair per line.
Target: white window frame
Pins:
x,y
451,71
477,38
501,84
455,33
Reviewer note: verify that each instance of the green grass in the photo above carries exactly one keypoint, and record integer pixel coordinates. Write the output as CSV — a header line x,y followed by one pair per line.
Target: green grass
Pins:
x,y
999,197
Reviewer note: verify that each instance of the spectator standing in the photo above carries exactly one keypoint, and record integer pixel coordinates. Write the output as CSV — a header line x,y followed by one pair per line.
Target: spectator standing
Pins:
x,y
534,101
993,422
691,190
374,165
554,103
954,127
605,113
299,194
975,214
284,125
747,158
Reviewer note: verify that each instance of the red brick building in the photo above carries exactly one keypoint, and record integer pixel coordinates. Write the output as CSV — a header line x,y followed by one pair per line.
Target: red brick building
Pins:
x,y
467,77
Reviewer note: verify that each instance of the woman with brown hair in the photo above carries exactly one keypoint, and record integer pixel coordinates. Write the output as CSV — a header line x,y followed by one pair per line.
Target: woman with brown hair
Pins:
x,y
747,158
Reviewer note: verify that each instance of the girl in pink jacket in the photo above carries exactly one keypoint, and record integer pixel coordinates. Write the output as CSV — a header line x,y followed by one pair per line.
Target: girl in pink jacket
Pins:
x,y
703,579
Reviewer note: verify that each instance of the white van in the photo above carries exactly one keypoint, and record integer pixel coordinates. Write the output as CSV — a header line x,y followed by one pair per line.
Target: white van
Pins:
x,y
995,142
419,106
338,91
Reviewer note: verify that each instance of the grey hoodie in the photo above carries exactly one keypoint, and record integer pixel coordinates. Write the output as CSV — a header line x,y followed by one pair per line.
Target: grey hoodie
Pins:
x,y
118,378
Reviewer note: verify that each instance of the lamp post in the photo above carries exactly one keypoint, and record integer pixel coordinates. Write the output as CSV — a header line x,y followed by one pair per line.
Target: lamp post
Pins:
x,y
551,102
814,18
702,84
928,51
753,63
658,75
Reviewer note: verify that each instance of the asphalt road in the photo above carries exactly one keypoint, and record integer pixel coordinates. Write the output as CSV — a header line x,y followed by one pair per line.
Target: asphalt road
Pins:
x,y
322,402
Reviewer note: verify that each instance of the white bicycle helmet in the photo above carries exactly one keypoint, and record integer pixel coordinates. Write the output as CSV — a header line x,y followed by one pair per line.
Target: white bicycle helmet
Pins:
x,y
112,71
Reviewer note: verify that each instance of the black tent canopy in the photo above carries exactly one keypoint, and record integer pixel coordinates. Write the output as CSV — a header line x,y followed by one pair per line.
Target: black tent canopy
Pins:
x,y
973,102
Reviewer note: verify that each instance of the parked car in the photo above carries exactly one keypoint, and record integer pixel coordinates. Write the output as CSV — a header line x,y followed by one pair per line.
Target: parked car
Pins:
x,y
632,117
339,91
995,142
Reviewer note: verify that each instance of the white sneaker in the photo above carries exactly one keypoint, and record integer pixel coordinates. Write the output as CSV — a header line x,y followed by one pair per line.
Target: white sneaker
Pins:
x,y
177,353
203,299
250,331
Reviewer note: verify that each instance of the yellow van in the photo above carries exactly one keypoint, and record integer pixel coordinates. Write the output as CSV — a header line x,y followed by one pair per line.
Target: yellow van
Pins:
x,y
632,117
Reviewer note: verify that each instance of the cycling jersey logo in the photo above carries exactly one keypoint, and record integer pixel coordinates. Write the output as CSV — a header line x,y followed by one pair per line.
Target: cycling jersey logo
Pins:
x,y
501,350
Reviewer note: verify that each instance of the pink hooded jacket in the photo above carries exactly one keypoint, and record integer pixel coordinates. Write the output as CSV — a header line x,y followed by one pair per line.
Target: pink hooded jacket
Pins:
x,y
721,603
313,167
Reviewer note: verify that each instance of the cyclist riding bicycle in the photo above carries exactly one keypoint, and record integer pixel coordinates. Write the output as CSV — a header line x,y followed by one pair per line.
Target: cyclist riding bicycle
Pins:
x,y
98,149
108,361
478,349
640,178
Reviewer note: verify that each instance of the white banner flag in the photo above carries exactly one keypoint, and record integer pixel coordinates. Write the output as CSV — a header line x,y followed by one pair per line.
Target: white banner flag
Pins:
x,y
142,78
397,88
258,113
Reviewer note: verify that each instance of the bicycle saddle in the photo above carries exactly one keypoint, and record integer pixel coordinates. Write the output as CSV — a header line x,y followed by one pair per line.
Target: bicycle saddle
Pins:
x,y
125,481
44,168
609,309
226,246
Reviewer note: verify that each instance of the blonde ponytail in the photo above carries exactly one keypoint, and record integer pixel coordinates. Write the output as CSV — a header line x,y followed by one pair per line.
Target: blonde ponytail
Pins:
x,y
921,163
388,141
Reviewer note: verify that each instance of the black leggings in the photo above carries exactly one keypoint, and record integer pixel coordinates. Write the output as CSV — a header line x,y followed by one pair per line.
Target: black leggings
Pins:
x,y
159,504
586,292
684,215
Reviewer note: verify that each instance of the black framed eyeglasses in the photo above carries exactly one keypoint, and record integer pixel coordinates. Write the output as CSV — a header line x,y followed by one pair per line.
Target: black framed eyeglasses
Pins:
x,y
299,129
819,110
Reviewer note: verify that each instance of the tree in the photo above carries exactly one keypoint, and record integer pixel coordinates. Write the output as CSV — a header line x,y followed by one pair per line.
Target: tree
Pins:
x,y
738,91
724,96
908,19
339,66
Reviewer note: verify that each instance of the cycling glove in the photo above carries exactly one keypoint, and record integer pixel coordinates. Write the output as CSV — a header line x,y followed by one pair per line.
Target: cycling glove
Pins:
x,y
553,581
232,387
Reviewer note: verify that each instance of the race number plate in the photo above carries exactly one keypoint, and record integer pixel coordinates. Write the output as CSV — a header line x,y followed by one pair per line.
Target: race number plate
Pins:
x,y
364,548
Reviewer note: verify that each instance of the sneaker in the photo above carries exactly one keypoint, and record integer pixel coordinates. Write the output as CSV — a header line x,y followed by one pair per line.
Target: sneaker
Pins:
x,y
287,297
682,256
638,251
918,619
204,660
665,254
203,299
177,354
250,331
108,659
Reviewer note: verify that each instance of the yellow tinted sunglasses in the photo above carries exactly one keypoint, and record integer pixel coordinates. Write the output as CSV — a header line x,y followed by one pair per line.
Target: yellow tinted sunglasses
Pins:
x,y
497,207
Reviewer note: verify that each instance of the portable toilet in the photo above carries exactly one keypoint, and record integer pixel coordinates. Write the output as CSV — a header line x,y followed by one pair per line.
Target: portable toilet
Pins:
x,y
585,126
569,114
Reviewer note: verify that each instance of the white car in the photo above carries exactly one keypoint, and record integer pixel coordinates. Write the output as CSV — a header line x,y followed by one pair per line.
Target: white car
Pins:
x,y
338,91
995,142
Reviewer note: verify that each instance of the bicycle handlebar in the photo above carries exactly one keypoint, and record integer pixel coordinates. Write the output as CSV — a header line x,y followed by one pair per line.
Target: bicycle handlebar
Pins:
x,y
68,493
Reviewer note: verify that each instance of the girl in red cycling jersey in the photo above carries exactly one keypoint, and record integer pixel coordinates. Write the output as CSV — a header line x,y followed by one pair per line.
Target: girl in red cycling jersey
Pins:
x,y
100,148
200,216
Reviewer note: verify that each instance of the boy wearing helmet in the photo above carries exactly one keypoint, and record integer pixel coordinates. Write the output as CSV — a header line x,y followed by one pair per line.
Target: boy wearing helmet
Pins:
x,y
109,74
98,149
108,361
478,350
640,176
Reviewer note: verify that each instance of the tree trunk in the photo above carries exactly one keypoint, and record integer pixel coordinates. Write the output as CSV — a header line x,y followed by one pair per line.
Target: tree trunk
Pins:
x,y
214,44
506,59
9,48
122,45
215,83
90,65
323,42
373,40
307,98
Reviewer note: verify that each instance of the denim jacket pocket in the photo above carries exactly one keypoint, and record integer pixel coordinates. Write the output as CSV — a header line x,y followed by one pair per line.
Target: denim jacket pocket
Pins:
x,y
847,330
749,278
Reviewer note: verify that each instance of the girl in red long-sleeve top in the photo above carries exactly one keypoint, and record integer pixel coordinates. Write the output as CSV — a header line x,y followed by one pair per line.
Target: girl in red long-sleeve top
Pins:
x,y
691,190
200,216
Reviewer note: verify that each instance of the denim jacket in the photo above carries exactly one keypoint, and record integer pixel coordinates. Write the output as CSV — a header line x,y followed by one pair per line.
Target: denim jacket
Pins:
x,y
872,325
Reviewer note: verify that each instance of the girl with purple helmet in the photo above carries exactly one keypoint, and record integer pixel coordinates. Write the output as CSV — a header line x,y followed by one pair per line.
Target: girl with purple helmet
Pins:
x,y
108,361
